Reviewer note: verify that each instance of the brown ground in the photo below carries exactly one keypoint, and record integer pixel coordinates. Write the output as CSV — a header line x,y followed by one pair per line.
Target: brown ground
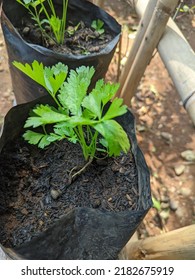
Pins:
x,y
164,130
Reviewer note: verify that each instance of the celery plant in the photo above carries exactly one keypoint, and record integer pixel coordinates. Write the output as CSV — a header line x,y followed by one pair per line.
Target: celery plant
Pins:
x,y
78,116
38,10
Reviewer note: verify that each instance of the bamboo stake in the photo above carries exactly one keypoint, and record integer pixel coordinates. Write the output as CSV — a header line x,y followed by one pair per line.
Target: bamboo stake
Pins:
x,y
175,245
180,63
137,42
150,40
179,60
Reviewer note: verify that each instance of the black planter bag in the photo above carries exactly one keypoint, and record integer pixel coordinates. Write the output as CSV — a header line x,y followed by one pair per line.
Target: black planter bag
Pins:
x,y
83,233
18,49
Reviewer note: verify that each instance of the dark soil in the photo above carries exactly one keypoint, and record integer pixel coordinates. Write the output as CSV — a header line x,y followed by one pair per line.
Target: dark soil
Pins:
x,y
82,40
31,178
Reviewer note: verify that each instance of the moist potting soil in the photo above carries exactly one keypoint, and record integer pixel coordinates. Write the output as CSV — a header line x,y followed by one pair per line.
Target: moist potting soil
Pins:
x,y
37,190
90,217
77,41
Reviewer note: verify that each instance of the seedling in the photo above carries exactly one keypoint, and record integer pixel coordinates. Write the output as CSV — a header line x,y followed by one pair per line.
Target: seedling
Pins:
x,y
38,10
184,9
71,30
156,203
78,116
98,26
187,9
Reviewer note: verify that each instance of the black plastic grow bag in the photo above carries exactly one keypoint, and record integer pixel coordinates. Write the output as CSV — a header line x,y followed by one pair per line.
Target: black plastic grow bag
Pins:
x,y
18,49
84,233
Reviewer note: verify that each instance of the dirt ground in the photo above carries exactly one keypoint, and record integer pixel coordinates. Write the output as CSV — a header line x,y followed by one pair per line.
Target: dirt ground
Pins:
x,y
164,129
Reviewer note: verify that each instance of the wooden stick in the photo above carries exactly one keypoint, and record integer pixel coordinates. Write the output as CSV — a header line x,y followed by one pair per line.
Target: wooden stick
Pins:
x,y
175,245
150,40
144,22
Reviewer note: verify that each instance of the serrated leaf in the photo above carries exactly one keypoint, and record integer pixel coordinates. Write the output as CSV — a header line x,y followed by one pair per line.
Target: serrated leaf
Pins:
x,y
55,23
45,115
108,92
44,142
76,120
59,68
99,97
115,136
97,25
75,89
105,91
48,75
65,130
35,138
54,77
32,137
51,78
33,121
116,109
54,137
35,71
93,103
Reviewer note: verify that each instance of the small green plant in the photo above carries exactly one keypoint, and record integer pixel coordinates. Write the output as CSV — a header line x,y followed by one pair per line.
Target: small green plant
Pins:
x,y
77,116
187,9
38,10
98,26
156,203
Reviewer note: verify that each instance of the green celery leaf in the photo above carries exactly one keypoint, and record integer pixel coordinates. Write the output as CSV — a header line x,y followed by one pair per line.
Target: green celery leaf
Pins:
x,y
33,121
88,114
59,68
50,114
46,115
36,72
44,142
55,23
116,137
33,137
97,25
48,74
54,137
99,96
74,121
116,109
63,128
75,89
93,104
105,90
55,76
66,131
